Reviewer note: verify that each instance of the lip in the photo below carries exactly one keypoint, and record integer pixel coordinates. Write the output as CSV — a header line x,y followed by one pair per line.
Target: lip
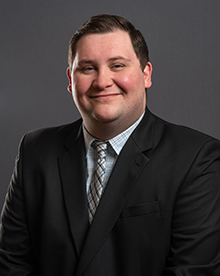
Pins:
x,y
104,96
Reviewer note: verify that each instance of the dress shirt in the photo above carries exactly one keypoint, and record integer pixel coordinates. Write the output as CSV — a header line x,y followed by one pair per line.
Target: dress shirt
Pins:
x,y
115,145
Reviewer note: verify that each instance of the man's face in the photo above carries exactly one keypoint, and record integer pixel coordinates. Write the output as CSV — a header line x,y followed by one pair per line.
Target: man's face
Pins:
x,y
107,82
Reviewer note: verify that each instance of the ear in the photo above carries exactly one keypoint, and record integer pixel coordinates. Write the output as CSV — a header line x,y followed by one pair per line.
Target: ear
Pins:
x,y
69,88
147,75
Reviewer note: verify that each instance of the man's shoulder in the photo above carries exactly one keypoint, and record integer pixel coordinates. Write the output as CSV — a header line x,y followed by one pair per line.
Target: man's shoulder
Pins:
x,y
184,136
173,135
51,136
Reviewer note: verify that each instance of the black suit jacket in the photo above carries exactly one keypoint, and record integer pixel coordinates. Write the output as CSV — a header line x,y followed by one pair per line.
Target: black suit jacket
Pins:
x,y
159,214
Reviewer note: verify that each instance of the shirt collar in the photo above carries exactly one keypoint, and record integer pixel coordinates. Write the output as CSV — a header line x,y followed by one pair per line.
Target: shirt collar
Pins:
x,y
116,142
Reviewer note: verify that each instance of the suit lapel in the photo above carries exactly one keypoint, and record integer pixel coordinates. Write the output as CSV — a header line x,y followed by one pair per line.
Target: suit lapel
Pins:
x,y
129,165
72,172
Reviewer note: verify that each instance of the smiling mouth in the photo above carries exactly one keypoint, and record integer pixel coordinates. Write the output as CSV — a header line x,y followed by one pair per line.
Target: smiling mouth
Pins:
x,y
104,96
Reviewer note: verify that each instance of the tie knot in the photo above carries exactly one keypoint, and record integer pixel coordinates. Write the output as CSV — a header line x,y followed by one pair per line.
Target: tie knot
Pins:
x,y
101,147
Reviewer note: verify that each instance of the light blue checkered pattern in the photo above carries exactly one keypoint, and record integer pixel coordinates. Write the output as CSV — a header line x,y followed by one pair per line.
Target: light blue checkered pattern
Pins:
x,y
113,151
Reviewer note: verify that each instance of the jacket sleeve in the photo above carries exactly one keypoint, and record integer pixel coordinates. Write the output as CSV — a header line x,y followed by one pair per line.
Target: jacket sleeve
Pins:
x,y
195,240
16,256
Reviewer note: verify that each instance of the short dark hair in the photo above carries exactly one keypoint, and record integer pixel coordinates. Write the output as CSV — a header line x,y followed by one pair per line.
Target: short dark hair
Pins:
x,y
105,23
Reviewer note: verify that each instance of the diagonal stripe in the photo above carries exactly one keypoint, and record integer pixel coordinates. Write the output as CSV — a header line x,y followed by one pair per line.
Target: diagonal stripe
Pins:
x,y
96,187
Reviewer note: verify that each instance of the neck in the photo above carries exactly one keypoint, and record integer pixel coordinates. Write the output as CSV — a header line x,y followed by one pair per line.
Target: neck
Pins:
x,y
107,130
102,132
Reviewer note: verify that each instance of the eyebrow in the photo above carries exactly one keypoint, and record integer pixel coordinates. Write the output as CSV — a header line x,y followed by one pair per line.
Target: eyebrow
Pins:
x,y
85,61
89,61
119,57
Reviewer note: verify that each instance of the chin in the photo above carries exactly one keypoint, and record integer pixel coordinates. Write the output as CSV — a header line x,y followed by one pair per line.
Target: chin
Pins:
x,y
103,114
103,118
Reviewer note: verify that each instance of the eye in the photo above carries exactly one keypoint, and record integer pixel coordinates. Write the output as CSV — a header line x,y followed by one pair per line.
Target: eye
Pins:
x,y
118,66
88,69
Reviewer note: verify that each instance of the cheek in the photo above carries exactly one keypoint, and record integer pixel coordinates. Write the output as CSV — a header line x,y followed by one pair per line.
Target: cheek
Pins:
x,y
80,85
128,82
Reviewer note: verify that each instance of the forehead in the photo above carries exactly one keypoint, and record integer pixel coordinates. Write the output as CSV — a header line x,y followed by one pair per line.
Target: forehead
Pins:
x,y
104,44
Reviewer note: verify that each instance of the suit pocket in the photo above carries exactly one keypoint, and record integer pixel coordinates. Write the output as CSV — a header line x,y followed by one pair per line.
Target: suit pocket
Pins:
x,y
141,210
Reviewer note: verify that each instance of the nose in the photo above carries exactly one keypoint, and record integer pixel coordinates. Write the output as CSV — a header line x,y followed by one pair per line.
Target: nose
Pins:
x,y
103,79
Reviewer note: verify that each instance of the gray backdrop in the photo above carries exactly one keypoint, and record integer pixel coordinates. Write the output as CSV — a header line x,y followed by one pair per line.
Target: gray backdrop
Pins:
x,y
183,37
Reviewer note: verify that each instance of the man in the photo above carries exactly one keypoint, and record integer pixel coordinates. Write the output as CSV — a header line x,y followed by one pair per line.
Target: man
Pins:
x,y
158,208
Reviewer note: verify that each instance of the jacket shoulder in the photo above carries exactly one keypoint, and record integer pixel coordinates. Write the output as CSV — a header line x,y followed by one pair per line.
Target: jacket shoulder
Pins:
x,y
183,134
51,137
177,139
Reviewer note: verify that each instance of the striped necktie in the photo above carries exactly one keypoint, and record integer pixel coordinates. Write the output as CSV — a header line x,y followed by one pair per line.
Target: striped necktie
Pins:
x,y
96,186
